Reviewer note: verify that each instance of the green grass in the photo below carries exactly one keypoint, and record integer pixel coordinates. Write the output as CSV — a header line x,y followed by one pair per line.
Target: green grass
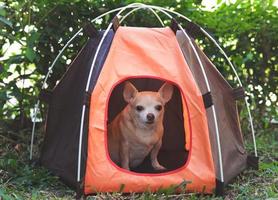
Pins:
x,y
20,179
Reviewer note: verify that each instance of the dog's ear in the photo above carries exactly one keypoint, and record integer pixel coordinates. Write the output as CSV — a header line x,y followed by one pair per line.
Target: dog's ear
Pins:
x,y
129,92
166,92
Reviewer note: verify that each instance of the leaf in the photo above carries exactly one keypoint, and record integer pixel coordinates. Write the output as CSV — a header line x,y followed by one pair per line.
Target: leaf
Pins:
x,y
1,68
4,194
122,186
12,163
2,12
219,1
249,56
3,95
30,54
5,21
33,38
16,59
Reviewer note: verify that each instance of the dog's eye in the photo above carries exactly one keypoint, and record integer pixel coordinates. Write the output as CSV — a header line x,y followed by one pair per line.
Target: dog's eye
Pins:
x,y
139,108
158,107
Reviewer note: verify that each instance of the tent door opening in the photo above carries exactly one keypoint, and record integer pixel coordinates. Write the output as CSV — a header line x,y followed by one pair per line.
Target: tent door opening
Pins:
x,y
172,154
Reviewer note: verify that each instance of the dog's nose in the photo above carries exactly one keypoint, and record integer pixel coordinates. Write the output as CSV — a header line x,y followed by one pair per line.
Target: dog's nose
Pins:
x,y
150,117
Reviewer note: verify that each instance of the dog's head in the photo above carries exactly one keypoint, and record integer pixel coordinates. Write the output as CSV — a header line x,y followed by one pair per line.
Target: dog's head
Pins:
x,y
146,107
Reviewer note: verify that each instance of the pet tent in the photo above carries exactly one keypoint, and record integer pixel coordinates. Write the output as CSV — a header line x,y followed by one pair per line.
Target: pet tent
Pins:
x,y
202,142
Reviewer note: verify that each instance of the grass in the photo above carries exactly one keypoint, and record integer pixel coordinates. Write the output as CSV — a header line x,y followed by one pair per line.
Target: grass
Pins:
x,y
20,179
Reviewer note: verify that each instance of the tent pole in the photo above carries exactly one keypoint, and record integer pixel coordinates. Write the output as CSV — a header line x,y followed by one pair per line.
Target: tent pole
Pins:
x,y
53,64
36,107
142,7
88,85
240,83
212,107
84,106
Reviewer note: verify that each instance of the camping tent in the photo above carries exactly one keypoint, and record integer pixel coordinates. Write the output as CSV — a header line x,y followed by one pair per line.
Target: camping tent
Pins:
x,y
202,142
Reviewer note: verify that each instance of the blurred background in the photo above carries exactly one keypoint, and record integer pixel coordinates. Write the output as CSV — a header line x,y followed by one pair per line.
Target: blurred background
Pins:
x,y
32,32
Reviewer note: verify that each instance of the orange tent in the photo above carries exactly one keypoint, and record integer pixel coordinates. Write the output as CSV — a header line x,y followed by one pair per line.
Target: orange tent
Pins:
x,y
202,142
154,54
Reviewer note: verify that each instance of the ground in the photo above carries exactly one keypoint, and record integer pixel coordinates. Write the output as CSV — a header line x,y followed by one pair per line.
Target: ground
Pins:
x,y
21,179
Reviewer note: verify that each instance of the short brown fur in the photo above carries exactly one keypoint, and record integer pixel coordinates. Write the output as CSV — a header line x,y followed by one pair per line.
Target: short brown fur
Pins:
x,y
132,135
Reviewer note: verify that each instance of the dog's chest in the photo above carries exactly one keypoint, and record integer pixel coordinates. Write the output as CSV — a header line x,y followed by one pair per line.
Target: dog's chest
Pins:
x,y
137,153
141,146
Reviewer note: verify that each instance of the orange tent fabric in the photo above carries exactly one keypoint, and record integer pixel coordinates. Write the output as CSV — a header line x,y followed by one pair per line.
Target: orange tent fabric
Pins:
x,y
154,53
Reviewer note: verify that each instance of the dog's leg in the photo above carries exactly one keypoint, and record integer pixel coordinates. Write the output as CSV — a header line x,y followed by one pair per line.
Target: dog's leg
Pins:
x,y
124,155
154,154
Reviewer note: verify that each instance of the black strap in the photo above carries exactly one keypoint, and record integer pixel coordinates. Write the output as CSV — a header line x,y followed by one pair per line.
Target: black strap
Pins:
x,y
238,93
253,162
116,23
219,190
174,25
1,68
193,29
45,96
90,30
207,98
87,99
79,190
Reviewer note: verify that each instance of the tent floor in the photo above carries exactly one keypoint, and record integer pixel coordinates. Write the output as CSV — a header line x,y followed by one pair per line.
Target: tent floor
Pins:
x,y
170,159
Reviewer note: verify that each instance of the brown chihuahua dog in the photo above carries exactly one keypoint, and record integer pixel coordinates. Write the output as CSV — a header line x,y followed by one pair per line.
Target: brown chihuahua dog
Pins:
x,y
137,130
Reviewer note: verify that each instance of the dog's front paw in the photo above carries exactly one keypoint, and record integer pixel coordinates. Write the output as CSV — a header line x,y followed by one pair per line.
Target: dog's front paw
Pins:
x,y
126,168
159,167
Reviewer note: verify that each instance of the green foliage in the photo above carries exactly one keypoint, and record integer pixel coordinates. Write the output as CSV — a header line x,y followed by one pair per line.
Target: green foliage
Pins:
x,y
33,32
37,30
20,179
248,33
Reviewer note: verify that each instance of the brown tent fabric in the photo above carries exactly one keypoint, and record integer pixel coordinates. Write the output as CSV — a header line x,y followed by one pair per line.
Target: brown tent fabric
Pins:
x,y
234,156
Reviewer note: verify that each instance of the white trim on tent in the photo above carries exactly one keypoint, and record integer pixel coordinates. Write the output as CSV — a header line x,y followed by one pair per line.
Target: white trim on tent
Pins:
x,y
80,142
84,106
212,107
